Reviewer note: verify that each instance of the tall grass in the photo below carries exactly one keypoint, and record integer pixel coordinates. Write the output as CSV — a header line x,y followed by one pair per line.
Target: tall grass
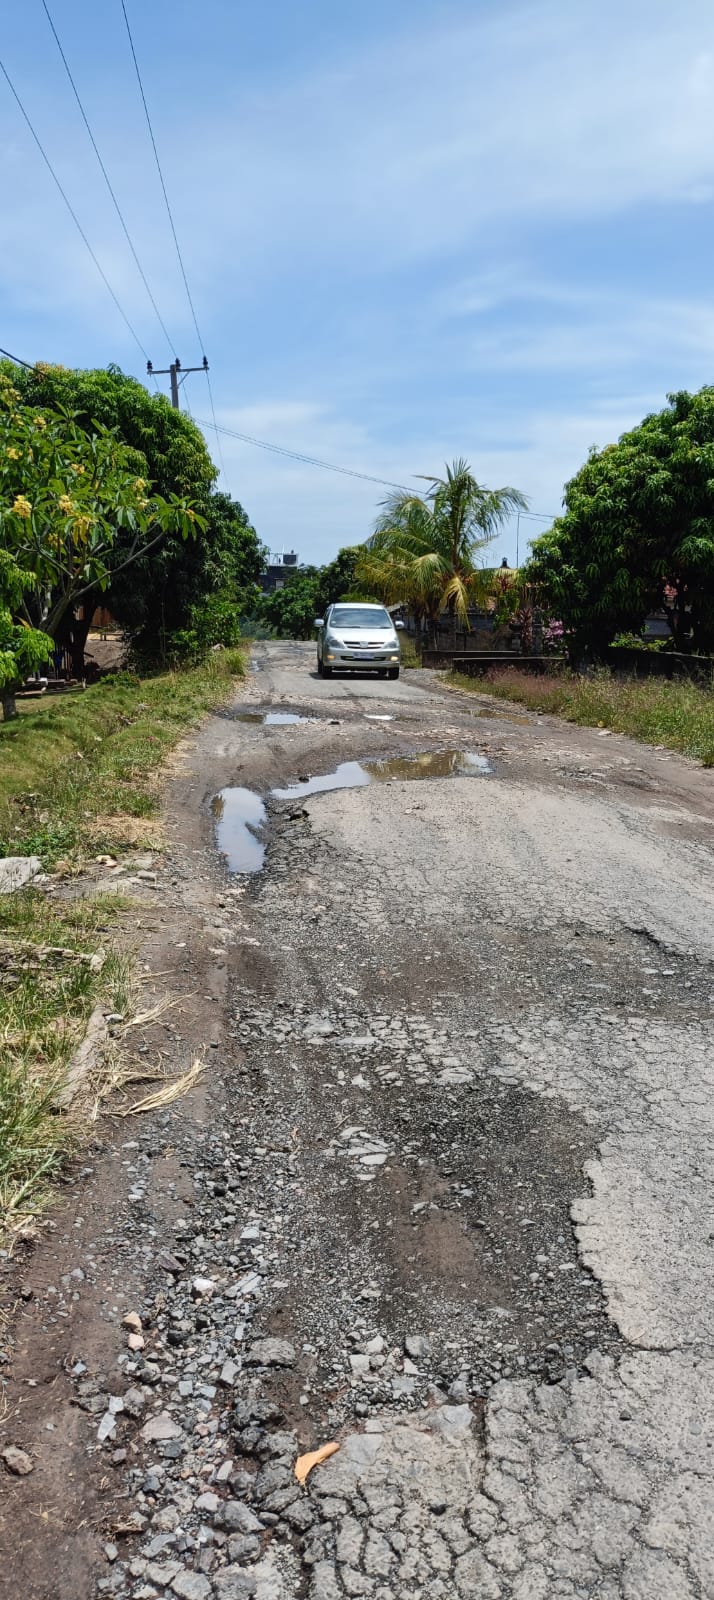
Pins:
x,y
65,762
49,983
677,714
71,772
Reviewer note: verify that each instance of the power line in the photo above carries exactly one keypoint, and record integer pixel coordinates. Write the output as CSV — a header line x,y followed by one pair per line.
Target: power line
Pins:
x,y
18,360
172,225
311,461
215,428
161,177
329,466
107,179
70,207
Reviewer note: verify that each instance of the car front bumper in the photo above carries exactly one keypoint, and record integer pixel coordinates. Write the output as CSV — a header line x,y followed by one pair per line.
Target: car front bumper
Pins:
x,y
364,658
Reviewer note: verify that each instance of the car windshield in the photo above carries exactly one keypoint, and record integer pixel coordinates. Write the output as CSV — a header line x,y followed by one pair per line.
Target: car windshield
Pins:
x,y
360,617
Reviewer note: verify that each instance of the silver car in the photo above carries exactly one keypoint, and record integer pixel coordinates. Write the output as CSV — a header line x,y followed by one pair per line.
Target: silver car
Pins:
x,y
352,636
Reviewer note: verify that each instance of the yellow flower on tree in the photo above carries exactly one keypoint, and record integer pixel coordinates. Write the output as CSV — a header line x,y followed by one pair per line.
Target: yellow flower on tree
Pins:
x,y
22,507
66,504
40,422
12,453
140,485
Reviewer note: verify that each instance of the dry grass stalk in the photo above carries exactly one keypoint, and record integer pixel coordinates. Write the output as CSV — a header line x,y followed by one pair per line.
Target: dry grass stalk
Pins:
x,y
174,1090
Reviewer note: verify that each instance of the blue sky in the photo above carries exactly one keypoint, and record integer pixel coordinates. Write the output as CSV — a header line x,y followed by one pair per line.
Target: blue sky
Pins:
x,y
413,230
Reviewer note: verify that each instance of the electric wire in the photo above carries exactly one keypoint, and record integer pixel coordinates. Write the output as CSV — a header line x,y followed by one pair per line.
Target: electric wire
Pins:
x,y
330,466
70,208
18,360
160,176
172,225
107,179
215,429
311,461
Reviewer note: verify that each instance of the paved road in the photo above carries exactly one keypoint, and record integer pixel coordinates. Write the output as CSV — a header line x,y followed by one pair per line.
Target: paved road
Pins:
x,y
454,1161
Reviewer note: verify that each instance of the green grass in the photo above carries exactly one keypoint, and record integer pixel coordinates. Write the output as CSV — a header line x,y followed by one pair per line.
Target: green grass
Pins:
x,y
67,762
77,776
51,976
408,653
679,715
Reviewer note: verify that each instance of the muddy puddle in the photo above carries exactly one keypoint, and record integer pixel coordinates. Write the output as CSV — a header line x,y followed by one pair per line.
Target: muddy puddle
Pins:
x,y
273,719
239,816
349,775
355,774
431,764
502,716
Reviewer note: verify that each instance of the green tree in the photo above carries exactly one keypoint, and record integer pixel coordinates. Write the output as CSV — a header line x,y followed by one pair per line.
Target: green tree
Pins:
x,y
307,592
339,579
172,450
290,612
430,545
22,649
73,511
189,595
637,534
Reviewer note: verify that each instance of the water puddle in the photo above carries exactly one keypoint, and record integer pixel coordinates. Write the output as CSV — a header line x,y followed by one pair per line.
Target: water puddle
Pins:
x,y
349,775
502,716
239,815
431,764
273,719
371,716
354,775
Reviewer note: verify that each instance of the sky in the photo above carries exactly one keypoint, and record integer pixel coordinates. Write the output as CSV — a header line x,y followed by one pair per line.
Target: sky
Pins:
x,y
412,229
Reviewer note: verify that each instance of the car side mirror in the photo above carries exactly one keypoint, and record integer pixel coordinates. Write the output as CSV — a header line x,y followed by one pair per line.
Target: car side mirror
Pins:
x,y
399,624
319,622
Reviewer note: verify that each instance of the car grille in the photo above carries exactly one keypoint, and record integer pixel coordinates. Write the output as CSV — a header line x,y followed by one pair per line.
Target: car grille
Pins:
x,y
364,644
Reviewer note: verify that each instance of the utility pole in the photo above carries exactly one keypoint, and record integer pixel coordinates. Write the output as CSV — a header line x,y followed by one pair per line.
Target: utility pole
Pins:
x,y
173,373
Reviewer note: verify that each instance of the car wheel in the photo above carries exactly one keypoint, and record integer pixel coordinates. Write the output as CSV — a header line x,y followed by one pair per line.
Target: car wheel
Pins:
x,y
393,672
326,671
319,667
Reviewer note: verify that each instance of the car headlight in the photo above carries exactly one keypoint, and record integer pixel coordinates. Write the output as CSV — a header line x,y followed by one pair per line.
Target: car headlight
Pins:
x,y
333,643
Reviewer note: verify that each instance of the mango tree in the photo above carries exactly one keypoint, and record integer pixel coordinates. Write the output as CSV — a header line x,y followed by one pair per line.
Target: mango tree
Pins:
x,y
74,513
22,649
637,534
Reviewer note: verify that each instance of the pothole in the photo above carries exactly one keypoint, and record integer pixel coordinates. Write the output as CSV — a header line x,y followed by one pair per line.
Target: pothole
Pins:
x,y
355,774
502,716
348,775
239,816
273,719
431,764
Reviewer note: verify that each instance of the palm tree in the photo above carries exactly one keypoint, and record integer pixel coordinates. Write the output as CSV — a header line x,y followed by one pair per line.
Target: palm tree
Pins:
x,y
423,551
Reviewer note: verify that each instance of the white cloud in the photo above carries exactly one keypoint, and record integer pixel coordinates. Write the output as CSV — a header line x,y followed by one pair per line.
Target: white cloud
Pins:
x,y
546,111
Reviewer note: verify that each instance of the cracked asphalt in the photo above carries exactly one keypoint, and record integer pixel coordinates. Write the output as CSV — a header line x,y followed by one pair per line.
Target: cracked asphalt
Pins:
x,y
444,1197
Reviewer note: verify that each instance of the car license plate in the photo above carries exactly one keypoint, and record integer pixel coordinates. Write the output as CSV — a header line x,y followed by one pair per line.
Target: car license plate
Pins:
x,y
362,655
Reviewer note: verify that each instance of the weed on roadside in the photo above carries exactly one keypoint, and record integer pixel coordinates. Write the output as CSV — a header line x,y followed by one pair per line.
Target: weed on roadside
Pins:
x,y
64,763
679,715
56,964
408,653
